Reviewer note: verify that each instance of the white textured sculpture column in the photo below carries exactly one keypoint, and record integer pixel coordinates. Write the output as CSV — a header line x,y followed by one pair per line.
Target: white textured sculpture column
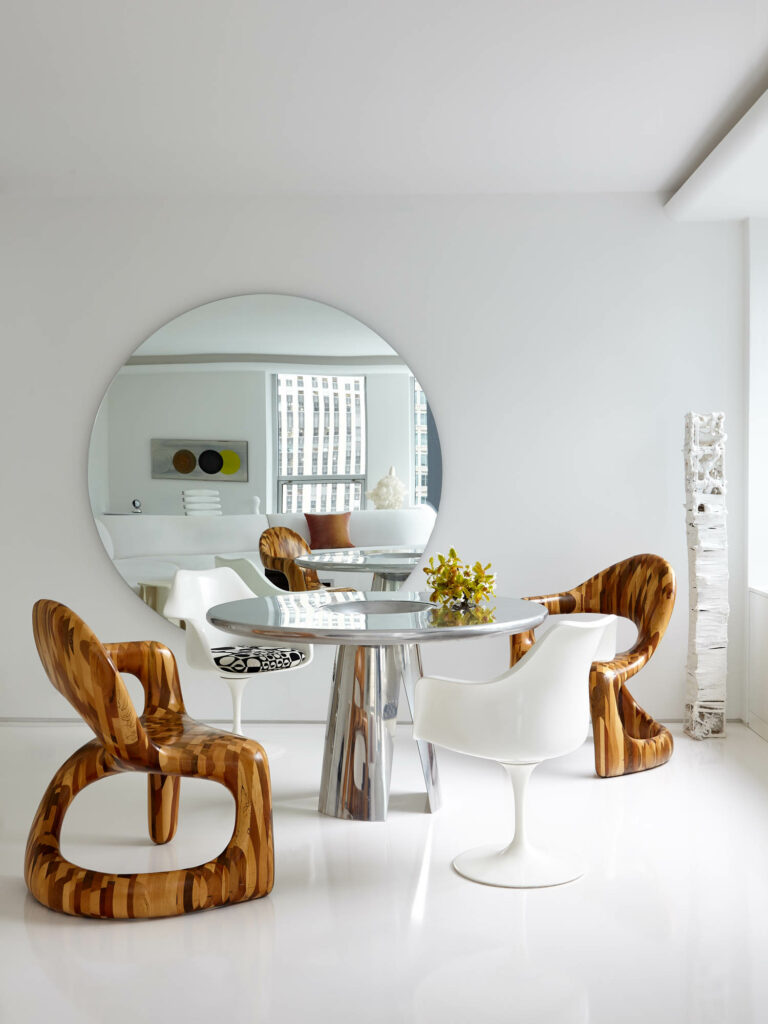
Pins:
x,y
707,573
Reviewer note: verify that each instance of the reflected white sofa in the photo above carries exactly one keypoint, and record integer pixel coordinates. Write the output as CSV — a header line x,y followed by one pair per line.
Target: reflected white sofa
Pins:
x,y
149,549
373,527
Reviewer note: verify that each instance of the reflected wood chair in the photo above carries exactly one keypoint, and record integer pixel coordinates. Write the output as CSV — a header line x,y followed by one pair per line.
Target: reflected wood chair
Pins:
x,y
166,745
278,546
641,589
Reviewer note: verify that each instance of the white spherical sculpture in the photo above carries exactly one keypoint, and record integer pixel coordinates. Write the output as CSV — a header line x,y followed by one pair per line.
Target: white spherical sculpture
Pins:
x,y
388,492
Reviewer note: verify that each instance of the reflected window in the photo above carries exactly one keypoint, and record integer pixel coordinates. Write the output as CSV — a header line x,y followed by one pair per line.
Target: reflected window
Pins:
x,y
321,442
420,445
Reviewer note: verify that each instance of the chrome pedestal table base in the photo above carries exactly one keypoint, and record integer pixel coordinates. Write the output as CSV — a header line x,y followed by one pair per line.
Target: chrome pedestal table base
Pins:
x,y
362,718
377,636
381,582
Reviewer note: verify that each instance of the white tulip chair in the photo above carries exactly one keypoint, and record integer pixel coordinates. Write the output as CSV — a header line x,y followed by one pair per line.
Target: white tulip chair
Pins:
x,y
195,591
535,711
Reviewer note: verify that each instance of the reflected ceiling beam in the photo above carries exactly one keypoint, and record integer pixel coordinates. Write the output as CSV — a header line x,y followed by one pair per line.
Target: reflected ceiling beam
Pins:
x,y
263,357
732,182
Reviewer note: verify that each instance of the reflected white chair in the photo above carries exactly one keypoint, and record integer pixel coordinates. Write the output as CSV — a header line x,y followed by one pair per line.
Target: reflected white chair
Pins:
x,y
201,502
250,573
192,594
535,711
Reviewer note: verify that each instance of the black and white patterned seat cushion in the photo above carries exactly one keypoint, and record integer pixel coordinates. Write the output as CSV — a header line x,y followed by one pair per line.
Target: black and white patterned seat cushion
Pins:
x,y
256,659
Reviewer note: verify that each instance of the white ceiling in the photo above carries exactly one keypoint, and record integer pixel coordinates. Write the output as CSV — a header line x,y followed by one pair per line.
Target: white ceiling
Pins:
x,y
370,96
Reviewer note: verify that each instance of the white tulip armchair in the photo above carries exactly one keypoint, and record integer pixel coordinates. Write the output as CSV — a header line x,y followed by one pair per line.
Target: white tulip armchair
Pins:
x,y
537,710
193,592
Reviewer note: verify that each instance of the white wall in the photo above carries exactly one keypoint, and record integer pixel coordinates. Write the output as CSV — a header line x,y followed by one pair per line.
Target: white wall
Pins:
x,y
757,692
98,460
757,541
389,403
143,403
757,569
559,340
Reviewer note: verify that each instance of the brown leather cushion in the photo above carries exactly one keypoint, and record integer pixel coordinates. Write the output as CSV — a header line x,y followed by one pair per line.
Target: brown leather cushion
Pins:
x,y
329,531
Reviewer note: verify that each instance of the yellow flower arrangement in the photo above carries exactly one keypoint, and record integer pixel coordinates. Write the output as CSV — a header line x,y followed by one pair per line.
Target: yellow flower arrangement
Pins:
x,y
458,585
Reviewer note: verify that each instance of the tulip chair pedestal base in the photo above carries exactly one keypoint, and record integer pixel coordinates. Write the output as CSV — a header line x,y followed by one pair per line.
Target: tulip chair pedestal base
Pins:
x,y
236,686
519,866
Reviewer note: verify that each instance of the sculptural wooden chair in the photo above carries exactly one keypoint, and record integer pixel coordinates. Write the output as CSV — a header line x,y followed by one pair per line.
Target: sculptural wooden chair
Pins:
x,y
278,546
165,744
641,589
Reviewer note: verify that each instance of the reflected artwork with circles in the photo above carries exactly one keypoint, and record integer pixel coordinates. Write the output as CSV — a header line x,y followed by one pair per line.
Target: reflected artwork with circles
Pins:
x,y
199,460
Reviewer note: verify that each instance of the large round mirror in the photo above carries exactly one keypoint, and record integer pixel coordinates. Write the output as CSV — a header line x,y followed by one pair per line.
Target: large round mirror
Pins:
x,y
245,415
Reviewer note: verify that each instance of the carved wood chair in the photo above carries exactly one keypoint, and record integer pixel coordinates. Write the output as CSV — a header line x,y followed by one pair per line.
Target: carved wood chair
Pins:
x,y
641,589
278,546
165,744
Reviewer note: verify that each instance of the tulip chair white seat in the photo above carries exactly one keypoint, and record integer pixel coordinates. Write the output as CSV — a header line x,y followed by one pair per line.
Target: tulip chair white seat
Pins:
x,y
195,591
535,711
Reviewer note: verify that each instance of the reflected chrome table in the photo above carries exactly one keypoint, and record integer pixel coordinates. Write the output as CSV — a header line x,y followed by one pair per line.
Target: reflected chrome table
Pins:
x,y
390,566
378,637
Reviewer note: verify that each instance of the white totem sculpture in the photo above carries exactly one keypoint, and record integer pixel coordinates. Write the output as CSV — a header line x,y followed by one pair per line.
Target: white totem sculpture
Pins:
x,y
707,573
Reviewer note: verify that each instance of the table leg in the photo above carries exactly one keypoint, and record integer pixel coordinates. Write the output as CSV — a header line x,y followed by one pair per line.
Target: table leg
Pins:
x,y
362,718
381,583
411,673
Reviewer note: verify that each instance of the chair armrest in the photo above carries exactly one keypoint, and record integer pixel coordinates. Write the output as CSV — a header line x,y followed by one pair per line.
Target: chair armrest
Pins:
x,y
626,663
154,666
298,578
556,604
622,666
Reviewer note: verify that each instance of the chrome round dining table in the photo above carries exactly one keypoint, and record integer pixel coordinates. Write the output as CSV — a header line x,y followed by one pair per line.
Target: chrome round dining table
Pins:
x,y
378,636
390,567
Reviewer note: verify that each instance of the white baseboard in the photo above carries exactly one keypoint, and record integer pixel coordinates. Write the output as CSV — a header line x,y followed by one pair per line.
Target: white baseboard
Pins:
x,y
758,725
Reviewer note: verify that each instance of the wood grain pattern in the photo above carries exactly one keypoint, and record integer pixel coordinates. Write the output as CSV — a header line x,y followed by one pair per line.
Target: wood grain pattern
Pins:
x,y
356,790
163,795
165,743
278,546
641,589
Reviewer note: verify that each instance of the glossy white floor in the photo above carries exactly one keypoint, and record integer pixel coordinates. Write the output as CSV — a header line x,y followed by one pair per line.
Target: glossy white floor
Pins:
x,y
367,922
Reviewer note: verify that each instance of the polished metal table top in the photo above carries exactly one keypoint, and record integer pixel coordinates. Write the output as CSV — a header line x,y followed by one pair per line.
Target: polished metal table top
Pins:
x,y
394,560
370,619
